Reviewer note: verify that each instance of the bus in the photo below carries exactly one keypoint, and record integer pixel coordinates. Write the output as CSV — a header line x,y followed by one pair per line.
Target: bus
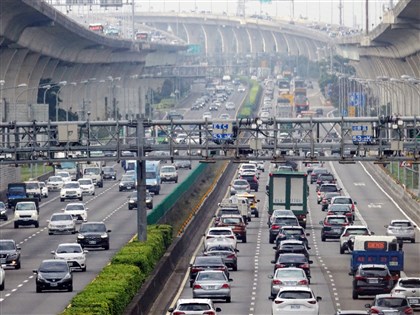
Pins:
x,y
96,27
153,176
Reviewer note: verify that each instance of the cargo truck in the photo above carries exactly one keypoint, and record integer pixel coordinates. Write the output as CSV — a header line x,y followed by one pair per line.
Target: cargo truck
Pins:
x,y
289,190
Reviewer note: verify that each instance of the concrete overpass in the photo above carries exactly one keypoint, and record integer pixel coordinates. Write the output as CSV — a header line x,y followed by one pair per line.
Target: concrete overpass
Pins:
x,y
38,43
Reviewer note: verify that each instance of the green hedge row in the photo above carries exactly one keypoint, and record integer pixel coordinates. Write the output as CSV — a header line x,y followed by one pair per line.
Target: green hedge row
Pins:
x,y
251,104
117,284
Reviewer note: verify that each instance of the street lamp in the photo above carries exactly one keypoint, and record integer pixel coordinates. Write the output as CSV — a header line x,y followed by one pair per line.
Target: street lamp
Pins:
x,y
411,83
61,84
71,101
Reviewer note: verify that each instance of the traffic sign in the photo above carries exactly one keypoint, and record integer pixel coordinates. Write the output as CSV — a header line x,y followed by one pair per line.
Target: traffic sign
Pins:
x,y
362,138
221,136
359,128
221,126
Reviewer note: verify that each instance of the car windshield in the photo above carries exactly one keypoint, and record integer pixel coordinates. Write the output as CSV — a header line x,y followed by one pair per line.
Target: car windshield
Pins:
x,y
391,302
194,307
61,217
231,220
205,260
64,249
168,169
292,232
292,259
62,174
401,224
326,177
337,207
283,221
320,171
374,272
2,205
53,266
240,183
220,232
336,220
75,207
7,246
25,206
295,295
342,201
211,276
92,228
357,231
410,283
127,178
32,186
55,179
71,185
328,188
108,169
285,273
85,182
150,175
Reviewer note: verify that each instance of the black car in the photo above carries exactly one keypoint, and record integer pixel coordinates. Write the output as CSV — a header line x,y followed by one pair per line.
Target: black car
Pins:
x,y
371,280
333,226
53,274
278,222
325,179
9,254
292,247
316,172
132,201
93,234
3,211
292,233
109,173
207,263
127,183
252,179
293,260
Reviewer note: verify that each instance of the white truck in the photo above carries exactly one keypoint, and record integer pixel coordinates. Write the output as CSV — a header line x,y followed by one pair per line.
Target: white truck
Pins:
x,y
26,213
241,203
93,171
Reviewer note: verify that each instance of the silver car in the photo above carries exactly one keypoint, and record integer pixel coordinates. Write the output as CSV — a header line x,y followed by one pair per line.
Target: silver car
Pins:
x,y
239,186
61,223
287,277
212,284
410,288
402,229
73,253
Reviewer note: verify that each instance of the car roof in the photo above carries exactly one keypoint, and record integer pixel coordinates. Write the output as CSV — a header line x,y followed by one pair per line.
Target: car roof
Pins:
x,y
199,301
400,220
373,266
69,244
390,295
356,227
291,288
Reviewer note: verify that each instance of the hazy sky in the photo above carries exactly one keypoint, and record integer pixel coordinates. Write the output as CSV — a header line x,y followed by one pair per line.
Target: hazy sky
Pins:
x,y
325,11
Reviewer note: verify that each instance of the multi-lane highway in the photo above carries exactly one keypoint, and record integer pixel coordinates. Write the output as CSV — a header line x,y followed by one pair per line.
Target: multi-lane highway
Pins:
x,y
108,205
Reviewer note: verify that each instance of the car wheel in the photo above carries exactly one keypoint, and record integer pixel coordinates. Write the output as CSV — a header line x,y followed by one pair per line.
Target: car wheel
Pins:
x,y
50,233
81,198
271,240
70,288
341,250
38,289
235,267
106,247
323,238
355,296
62,199
244,240
228,299
2,285
191,285
413,240
157,193
16,225
84,268
256,214
36,224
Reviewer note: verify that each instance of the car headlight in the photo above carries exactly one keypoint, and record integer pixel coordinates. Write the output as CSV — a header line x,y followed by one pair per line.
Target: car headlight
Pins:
x,y
131,201
80,236
41,278
67,276
105,235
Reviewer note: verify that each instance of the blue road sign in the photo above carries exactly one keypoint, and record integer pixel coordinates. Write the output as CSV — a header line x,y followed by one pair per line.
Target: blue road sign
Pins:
x,y
359,128
220,126
362,138
222,136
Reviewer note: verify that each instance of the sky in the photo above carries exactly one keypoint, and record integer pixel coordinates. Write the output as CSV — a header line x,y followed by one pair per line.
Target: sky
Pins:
x,y
321,11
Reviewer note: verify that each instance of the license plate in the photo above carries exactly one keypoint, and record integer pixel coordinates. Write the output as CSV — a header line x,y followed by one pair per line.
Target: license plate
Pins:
x,y
92,242
414,301
53,284
336,230
128,187
373,281
295,307
393,263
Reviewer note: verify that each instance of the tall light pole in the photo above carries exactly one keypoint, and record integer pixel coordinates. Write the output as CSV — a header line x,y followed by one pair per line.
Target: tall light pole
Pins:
x,y
71,100
411,83
61,84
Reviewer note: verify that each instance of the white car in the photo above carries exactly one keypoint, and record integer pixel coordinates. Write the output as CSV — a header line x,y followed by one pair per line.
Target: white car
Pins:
x,y
87,186
55,183
402,229
410,288
65,175
221,233
230,106
44,190
194,307
61,223
259,164
2,278
71,190
207,115
350,230
287,277
73,253
77,210
168,173
33,189
248,167
295,301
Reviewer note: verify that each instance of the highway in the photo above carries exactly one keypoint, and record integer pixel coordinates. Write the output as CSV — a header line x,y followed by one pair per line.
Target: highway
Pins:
x,y
108,205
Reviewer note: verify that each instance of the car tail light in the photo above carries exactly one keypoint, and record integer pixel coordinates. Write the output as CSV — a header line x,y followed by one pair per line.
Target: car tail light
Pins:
x,y
312,301
197,286
230,256
231,236
399,290
280,266
225,286
277,281
359,278
330,213
278,302
408,310
374,310
347,234
195,269
275,226
304,266
388,278
326,223
303,282
178,313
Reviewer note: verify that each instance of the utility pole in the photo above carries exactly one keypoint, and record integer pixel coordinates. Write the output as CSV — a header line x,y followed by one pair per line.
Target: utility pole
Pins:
x,y
240,9
340,9
367,16
141,183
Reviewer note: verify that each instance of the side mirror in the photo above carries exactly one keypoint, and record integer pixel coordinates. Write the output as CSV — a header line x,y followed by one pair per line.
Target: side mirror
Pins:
x,y
270,276
318,298
230,280
350,273
386,226
273,261
271,298
308,234
52,252
109,231
355,202
368,305
35,271
372,233
218,309
320,222
310,262
170,310
274,247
